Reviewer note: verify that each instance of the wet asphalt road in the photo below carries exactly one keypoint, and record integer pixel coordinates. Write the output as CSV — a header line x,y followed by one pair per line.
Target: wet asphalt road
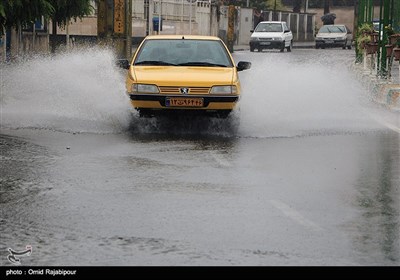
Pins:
x,y
306,174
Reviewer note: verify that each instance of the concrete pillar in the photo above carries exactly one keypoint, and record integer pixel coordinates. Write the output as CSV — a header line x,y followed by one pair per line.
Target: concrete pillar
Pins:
x,y
231,27
114,26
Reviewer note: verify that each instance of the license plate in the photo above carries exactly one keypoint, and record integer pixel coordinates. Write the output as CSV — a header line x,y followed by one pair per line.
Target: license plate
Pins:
x,y
184,102
265,43
329,41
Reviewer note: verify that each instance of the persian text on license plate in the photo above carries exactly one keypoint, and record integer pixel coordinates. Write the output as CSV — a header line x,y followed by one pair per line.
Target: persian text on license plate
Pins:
x,y
184,102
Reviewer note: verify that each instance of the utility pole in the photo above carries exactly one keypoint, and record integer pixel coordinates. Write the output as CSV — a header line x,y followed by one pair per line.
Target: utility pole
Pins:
x,y
326,7
231,25
114,26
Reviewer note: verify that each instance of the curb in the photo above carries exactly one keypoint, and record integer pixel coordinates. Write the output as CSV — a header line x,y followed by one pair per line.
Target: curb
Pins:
x,y
294,47
382,91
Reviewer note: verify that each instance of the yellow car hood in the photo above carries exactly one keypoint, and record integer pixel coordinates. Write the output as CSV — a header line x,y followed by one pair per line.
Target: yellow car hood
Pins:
x,y
183,75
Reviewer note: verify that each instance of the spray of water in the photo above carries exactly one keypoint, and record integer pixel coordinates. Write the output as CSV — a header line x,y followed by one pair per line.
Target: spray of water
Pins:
x,y
286,96
75,91
83,91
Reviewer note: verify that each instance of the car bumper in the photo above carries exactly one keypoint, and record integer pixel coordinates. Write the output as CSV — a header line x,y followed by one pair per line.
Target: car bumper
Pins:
x,y
267,44
157,101
330,43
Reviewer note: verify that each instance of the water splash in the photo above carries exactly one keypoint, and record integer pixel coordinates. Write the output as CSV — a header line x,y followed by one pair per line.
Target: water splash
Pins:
x,y
76,91
283,95
286,95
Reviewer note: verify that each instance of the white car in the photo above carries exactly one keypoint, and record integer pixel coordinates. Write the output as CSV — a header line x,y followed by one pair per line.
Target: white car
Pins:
x,y
333,36
271,35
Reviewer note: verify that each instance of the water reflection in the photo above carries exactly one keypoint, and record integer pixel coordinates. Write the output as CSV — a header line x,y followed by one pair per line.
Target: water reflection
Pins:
x,y
181,127
22,191
378,226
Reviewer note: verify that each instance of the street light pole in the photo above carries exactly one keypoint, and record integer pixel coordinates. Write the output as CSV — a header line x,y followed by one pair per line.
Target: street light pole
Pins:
x,y
190,17
159,15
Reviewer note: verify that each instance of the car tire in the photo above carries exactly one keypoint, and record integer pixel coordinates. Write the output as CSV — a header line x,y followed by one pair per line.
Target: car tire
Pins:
x,y
143,113
252,49
289,48
349,47
317,47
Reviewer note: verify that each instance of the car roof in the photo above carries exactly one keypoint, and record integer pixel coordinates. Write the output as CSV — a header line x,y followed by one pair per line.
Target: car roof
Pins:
x,y
334,25
339,25
183,36
272,21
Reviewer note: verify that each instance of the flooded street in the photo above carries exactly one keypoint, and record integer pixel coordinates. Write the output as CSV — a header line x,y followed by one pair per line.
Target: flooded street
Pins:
x,y
307,173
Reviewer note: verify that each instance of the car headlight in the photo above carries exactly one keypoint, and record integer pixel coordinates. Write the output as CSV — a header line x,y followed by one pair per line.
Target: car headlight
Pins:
x,y
277,39
223,90
144,88
254,39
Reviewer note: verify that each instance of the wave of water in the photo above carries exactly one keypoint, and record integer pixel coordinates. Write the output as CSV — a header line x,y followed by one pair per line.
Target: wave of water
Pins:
x,y
287,95
75,91
284,95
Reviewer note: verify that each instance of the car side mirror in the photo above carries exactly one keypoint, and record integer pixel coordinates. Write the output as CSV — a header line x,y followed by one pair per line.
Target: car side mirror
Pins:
x,y
123,63
251,30
243,65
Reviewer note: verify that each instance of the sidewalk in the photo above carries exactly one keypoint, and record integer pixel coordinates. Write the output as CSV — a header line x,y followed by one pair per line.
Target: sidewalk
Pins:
x,y
384,91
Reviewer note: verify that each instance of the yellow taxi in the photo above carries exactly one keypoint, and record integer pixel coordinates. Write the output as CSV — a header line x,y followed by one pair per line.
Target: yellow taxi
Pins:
x,y
183,73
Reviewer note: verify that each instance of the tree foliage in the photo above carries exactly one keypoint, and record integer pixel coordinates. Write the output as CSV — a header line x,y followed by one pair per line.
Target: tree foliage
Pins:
x,y
263,4
16,13
65,10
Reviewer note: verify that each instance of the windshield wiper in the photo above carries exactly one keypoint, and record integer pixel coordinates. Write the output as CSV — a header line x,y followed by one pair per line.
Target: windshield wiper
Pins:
x,y
153,62
198,63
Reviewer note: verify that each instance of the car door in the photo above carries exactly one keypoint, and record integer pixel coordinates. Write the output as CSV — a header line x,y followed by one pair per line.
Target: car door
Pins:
x,y
349,36
287,34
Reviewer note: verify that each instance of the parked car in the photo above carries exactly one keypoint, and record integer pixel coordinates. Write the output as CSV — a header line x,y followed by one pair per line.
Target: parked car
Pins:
x,y
335,35
271,35
183,74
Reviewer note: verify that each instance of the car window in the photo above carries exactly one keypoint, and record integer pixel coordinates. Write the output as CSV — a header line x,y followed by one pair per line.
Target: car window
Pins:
x,y
333,29
269,27
183,52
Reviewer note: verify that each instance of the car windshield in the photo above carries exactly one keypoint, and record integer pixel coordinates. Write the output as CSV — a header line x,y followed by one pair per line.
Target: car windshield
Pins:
x,y
183,52
332,29
269,27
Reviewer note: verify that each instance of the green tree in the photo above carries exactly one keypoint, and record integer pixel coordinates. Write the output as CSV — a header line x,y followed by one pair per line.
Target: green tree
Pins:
x,y
64,11
18,13
275,5
297,6
262,5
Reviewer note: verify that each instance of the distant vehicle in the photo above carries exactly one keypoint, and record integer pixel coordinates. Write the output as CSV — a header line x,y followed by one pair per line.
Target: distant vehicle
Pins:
x,y
183,74
271,35
335,35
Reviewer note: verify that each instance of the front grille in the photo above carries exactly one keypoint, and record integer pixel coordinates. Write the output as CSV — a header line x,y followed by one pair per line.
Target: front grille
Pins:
x,y
265,39
176,90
